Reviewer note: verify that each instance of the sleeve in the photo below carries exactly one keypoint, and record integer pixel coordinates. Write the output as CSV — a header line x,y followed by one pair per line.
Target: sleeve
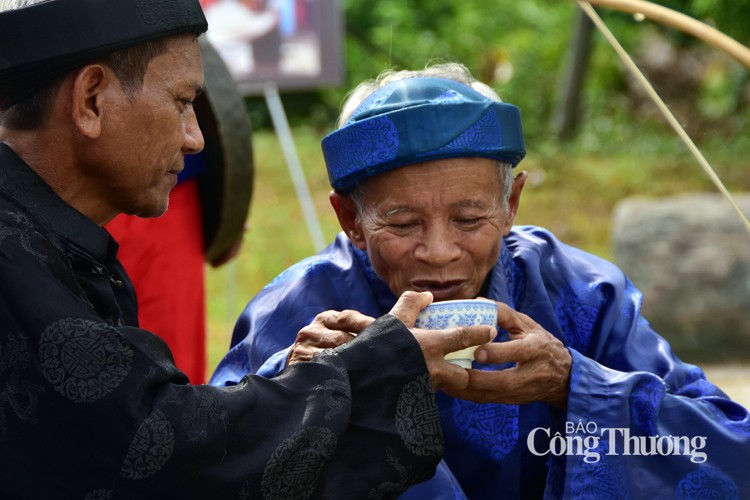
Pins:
x,y
88,410
642,423
268,326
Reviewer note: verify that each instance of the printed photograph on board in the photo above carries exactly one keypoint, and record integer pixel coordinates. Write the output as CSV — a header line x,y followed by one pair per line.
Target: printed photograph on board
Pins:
x,y
292,43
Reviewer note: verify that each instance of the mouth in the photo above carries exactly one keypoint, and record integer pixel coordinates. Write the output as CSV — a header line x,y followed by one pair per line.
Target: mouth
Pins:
x,y
441,290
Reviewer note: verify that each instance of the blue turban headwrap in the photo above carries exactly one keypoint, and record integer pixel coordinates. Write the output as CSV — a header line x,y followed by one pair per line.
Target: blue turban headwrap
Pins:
x,y
421,119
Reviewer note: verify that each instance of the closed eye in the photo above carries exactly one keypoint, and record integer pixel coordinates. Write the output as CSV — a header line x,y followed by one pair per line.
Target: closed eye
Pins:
x,y
467,222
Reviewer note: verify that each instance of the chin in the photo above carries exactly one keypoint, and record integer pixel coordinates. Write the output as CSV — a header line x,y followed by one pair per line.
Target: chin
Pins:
x,y
153,210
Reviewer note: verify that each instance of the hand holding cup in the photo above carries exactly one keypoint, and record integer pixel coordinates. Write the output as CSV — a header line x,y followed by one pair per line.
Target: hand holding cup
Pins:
x,y
458,313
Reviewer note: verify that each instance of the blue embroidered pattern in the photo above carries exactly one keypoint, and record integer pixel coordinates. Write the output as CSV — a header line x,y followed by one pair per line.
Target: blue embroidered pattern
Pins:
x,y
484,135
645,400
490,429
706,482
515,277
600,480
577,310
372,142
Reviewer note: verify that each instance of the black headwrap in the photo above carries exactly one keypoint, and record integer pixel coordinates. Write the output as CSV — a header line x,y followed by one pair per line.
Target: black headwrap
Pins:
x,y
45,40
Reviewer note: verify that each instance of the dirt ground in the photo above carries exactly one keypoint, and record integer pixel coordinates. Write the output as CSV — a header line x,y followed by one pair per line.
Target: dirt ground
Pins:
x,y
732,379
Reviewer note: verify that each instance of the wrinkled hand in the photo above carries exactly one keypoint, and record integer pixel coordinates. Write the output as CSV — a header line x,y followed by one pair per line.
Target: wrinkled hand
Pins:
x,y
328,329
542,369
436,344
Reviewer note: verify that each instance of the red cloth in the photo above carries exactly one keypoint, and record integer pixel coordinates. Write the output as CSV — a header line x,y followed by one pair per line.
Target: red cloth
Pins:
x,y
164,258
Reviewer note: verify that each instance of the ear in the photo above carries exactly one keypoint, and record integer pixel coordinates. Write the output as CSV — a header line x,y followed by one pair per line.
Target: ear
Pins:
x,y
88,88
514,201
347,213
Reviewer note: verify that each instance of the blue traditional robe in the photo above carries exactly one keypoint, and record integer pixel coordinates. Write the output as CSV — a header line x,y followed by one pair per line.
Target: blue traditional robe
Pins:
x,y
639,423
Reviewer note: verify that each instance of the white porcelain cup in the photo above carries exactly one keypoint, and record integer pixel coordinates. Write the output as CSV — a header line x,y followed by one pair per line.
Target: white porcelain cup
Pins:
x,y
452,313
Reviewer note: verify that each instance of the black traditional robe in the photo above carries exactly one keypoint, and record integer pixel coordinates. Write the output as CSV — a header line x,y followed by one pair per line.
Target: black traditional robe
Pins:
x,y
93,407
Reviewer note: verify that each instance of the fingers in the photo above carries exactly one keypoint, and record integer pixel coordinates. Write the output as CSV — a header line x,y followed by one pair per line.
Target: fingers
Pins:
x,y
448,377
541,371
436,344
513,321
408,306
345,321
518,385
329,329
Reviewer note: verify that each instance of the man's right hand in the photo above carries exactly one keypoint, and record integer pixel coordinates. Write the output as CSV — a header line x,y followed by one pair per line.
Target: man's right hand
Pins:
x,y
436,344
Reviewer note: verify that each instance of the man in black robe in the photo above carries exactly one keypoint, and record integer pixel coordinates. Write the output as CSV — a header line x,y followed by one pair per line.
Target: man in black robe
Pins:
x,y
95,119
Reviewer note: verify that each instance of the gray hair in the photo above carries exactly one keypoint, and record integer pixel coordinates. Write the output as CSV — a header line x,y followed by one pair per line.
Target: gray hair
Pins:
x,y
450,71
17,4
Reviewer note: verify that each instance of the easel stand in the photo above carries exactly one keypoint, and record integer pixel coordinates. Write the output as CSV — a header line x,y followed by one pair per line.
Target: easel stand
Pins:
x,y
281,125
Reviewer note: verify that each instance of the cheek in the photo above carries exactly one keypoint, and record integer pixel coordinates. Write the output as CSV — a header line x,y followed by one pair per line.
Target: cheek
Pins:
x,y
486,260
484,248
389,255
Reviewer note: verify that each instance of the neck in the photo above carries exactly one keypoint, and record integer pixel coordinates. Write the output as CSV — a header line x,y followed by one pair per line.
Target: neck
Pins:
x,y
51,157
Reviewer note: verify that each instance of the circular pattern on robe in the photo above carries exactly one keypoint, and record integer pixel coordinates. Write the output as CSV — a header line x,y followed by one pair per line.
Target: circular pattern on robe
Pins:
x,y
84,360
578,310
490,429
515,277
417,419
294,467
602,479
150,449
708,483
101,494
645,401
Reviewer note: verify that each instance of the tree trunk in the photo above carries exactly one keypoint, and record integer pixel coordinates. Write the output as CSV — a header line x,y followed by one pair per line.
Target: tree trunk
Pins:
x,y
567,112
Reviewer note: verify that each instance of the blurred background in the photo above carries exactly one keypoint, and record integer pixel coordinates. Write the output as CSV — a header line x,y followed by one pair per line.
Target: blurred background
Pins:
x,y
603,163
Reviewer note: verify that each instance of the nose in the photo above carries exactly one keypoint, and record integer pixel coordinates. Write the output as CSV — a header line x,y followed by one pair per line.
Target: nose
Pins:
x,y
193,142
439,246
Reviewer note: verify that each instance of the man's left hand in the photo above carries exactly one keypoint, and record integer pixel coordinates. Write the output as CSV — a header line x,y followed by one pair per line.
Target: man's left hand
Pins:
x,y
541,371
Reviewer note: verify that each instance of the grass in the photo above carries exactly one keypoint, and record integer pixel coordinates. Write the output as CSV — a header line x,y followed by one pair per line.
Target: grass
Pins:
x,y
572,191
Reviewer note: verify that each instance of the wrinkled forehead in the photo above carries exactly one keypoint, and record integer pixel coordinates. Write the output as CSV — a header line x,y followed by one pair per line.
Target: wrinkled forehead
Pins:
x,y
449,183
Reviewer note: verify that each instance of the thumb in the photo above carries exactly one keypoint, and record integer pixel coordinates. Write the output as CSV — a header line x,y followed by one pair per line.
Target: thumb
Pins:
x,y
408,306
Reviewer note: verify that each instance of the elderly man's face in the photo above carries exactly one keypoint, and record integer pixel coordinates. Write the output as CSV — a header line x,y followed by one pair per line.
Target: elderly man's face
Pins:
x,y
435,226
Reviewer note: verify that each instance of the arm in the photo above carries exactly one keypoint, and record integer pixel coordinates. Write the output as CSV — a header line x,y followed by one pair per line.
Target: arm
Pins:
x,y
627,395
95,408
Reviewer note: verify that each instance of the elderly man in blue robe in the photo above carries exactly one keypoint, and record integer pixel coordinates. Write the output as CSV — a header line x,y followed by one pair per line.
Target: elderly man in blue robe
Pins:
x,y
577,396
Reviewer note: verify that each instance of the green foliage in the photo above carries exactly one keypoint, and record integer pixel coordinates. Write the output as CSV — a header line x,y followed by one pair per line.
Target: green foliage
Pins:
x,y
519,48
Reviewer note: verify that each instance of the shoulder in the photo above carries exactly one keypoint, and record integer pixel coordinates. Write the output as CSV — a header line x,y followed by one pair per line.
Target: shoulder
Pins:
x,y
335,260
537,244
315,282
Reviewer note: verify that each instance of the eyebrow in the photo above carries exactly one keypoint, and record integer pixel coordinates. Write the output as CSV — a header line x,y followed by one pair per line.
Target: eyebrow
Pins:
x,y
398,211
463,204
472,204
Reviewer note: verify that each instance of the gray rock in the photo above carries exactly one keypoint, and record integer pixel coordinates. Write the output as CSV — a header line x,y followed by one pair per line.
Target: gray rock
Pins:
x,y
690,256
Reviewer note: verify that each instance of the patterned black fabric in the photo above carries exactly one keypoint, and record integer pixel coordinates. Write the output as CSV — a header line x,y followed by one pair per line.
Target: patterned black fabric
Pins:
x,y
92,407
